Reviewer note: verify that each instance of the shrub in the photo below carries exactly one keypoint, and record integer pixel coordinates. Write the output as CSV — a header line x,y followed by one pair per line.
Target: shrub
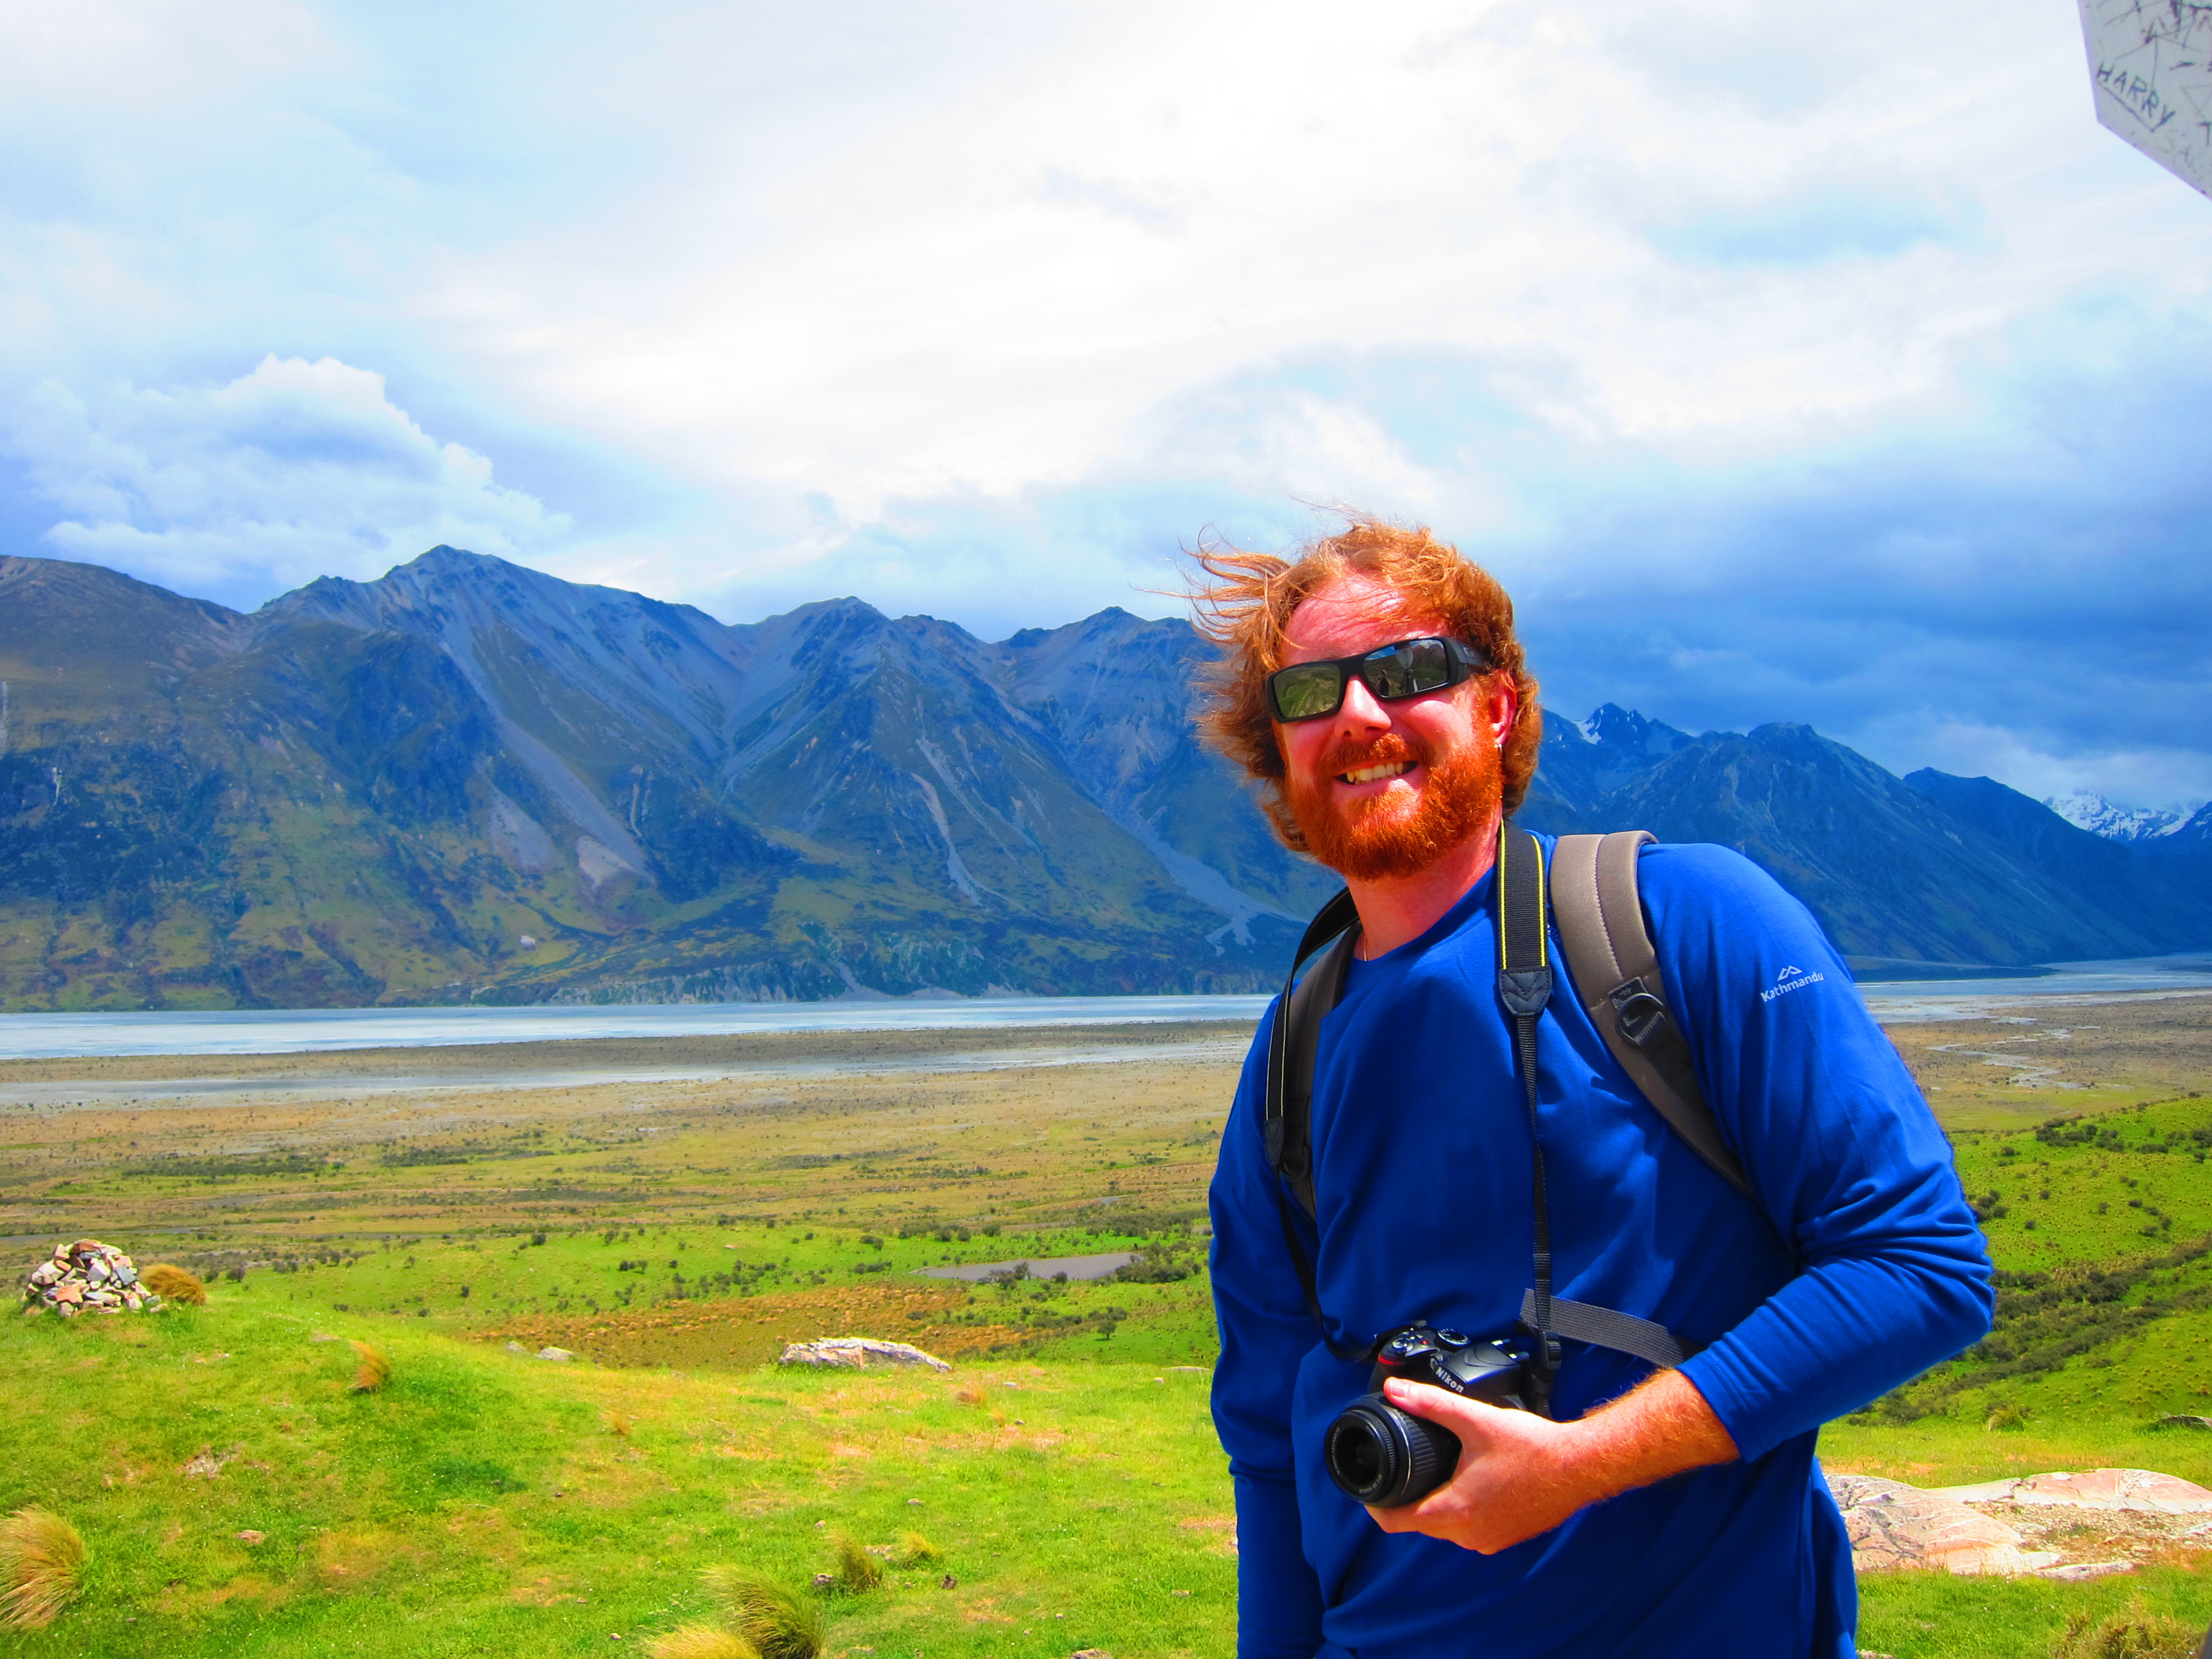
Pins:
x,y
1154,1265
172,1284
915,1550
775,1622
2135,1632
698,1642
374,1370
857,1569
41,1561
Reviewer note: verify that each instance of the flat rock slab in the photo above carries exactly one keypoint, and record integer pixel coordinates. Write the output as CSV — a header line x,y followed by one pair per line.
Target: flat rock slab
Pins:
x,y
1074,1266
2074,1572
2141,1490
855,1352
1892,1526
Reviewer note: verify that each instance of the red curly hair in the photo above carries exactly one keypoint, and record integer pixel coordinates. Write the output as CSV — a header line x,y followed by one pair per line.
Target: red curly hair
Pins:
x,y
1243,604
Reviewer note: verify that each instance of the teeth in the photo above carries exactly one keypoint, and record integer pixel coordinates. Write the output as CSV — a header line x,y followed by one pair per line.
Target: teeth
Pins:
x,y
1370,773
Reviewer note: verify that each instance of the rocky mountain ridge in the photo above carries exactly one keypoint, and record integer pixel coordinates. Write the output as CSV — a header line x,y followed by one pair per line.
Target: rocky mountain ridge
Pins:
x,y
2087,809
471,780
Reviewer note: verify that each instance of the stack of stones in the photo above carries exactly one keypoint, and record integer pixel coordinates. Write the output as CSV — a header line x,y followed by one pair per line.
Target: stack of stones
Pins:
x,y
86,1277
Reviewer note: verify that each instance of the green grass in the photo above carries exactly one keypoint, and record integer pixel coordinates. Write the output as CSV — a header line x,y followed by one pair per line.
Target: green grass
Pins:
x,y
481,1502
1933,1615
496,1284
1066,1475
2101,1231
486,1502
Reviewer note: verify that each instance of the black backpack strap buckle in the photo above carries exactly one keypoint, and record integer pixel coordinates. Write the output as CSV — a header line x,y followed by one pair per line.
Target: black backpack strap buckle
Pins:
x,y
1641,1014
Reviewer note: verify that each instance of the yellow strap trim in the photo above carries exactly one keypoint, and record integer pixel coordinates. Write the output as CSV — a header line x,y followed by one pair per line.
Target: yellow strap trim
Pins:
x,y
1543,904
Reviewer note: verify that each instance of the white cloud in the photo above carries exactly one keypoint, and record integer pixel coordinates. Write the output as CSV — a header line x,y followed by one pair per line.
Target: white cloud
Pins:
x,y
2174,779
293,470
998,286
982,307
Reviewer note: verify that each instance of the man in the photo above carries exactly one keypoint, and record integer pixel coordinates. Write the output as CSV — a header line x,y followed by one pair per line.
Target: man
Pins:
x,y
1653,1513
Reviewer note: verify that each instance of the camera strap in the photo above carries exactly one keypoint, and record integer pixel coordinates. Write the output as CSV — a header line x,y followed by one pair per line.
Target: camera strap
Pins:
x,y
1524,987
1520,901
1287,1110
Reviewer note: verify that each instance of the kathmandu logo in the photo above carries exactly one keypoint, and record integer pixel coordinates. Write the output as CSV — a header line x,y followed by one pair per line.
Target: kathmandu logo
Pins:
x,y
1792,978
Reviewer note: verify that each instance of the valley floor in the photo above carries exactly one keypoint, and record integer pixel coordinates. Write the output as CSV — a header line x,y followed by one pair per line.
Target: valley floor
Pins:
x,y
673,1215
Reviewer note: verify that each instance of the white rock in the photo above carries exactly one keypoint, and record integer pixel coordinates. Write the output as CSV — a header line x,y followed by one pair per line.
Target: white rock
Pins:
x,y
2082,1569
1892,1526
855,1352
2145,1491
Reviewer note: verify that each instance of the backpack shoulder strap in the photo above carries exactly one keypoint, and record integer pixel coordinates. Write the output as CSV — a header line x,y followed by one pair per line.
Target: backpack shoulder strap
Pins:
x,y
1287,1128
1615,970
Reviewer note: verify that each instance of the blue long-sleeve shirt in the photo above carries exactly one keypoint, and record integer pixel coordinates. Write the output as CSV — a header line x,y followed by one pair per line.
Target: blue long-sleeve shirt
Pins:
x,y
1859,1267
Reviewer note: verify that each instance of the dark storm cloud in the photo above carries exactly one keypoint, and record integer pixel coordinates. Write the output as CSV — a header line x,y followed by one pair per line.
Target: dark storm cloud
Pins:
x,y
2035,561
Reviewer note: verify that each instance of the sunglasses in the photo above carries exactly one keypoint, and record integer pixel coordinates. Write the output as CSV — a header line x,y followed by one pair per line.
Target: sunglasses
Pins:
x,y
1309,690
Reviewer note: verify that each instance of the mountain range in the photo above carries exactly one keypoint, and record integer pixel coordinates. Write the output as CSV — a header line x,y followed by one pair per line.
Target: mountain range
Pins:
x,y
2087,809
470,780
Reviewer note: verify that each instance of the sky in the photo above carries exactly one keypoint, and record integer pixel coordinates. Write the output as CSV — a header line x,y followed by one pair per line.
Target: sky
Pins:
x,y
1828,365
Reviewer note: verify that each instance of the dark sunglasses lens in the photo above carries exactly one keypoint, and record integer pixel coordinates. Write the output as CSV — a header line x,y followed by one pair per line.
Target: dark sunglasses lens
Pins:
x,y
1408,669
1310,690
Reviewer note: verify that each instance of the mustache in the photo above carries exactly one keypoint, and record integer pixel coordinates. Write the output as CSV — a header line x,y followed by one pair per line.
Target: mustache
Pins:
x,y
1386,750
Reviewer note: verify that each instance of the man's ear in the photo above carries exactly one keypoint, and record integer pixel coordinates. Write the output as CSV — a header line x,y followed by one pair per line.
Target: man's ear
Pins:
x,y
1503,698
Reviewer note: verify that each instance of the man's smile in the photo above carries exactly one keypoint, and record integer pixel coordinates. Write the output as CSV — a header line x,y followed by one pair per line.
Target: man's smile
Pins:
x,y
1375,774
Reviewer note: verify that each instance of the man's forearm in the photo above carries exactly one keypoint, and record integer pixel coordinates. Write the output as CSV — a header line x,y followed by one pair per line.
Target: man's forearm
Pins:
x,y
1660,1427
1519,1475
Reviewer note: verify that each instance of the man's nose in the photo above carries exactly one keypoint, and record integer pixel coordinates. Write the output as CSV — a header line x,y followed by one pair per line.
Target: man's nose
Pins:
x,y
1362,709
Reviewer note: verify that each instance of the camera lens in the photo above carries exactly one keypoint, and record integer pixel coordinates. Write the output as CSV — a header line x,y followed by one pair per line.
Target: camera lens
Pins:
x,y
1359,1457
1383,1457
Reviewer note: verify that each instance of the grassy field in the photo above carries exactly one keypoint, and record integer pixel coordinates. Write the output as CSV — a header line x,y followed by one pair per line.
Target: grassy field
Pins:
x,y
240,1498
484,1502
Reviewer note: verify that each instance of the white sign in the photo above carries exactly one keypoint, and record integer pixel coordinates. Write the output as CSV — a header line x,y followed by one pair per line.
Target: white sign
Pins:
x,y
2152,63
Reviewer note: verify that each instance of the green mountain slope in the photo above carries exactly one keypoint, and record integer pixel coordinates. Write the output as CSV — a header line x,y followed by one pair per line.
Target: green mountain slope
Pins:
x,y
470,780
1924,869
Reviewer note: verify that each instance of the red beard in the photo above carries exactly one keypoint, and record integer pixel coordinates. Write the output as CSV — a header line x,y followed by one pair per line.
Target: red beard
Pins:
x,y
1379,839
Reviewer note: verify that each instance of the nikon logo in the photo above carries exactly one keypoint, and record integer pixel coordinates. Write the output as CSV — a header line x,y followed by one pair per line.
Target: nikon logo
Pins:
x,y
1791,979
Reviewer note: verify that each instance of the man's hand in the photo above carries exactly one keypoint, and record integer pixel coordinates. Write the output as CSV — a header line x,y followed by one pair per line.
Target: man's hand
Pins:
x,y
1520,1474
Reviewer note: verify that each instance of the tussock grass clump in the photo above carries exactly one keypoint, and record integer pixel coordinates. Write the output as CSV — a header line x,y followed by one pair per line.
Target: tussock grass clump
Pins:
x,y
916,1551
2134,1632
857,1569
374,1372
970,1394
619,1425
173,1284
698,1641
41,1562
775,1622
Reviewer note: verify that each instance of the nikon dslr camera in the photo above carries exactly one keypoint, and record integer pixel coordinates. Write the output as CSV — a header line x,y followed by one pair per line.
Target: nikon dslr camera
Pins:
x,y
1383,1456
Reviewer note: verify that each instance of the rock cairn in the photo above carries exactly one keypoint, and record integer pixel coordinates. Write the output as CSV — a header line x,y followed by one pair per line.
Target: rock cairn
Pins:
x,y
86,1277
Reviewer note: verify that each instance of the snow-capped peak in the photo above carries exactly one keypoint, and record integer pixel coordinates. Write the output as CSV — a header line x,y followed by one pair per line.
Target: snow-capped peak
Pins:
x,y
1625,730
2091,811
